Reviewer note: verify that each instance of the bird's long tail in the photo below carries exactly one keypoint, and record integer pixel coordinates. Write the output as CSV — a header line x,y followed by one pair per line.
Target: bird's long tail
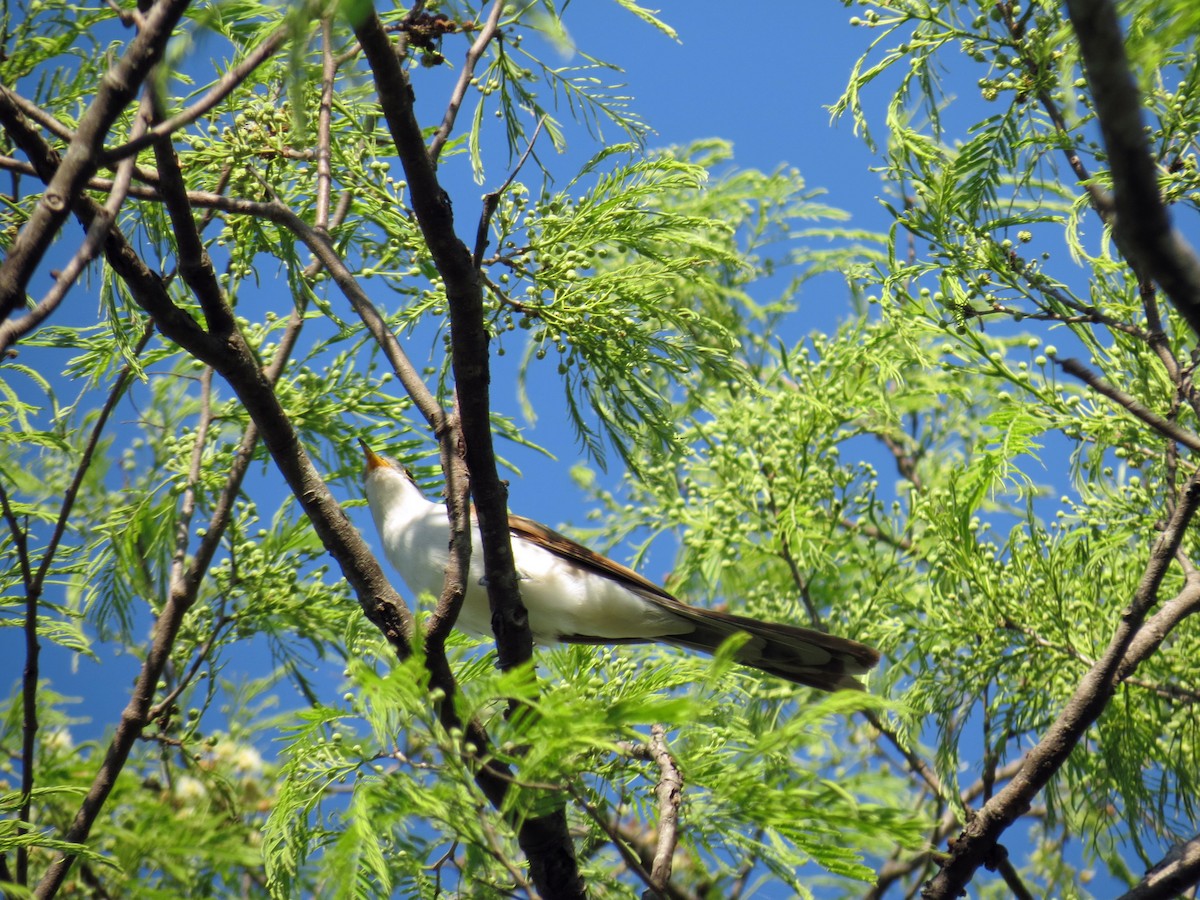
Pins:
x,y
800,655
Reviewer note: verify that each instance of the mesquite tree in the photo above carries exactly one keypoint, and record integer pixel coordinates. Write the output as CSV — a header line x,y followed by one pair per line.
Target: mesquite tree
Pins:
x,y
234,241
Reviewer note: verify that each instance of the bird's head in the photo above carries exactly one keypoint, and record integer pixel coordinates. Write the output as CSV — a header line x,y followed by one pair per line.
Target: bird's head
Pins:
x,y
383,475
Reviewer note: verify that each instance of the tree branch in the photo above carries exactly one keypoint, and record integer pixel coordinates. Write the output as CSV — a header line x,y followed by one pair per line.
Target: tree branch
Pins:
x,y
469,341
486,33
229,355
1174,874
35,589
670,797
13,330
618,840
545,838
1163,426
895,869
228,82
33,583
491,200
116,90
324,120
1155,630
1142,227
977,844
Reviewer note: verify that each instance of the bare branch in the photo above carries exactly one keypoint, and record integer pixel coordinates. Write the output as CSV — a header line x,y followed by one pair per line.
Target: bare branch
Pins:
x,y
670,795
34,588
469,341
32,111
545,839
492,199
1174,874
1101,201
29,682
195,266
947,824
12,331
619,842
202,199
1156,629
406,372
187,502
918,766
324,120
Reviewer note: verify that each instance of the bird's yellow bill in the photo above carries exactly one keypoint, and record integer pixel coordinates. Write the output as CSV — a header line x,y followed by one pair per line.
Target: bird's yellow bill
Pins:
x,y
374,460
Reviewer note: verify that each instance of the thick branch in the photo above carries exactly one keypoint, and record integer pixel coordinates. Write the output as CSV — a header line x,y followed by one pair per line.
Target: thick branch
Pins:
x,y
1143,228
469,340
544,839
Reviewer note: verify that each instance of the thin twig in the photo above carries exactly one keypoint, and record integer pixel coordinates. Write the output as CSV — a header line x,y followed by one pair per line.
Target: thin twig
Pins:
x,y
324,118
29,683
1101,200
1157,337
628,856
211,200
408,374
198,660
785,550
1154,420
486,33
919,767
218,92
492,201
877,534
1012,878
187,502
34,592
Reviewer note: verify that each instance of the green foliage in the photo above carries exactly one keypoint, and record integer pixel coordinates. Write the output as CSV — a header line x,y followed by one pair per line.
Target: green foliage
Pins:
x,y
353,789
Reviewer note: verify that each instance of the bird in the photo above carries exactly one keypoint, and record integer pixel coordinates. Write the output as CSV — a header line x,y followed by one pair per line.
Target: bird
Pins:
x,y
575,595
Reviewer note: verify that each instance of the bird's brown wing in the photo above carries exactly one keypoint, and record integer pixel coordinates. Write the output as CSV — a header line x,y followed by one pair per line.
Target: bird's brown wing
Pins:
x,y
563,546
798,654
